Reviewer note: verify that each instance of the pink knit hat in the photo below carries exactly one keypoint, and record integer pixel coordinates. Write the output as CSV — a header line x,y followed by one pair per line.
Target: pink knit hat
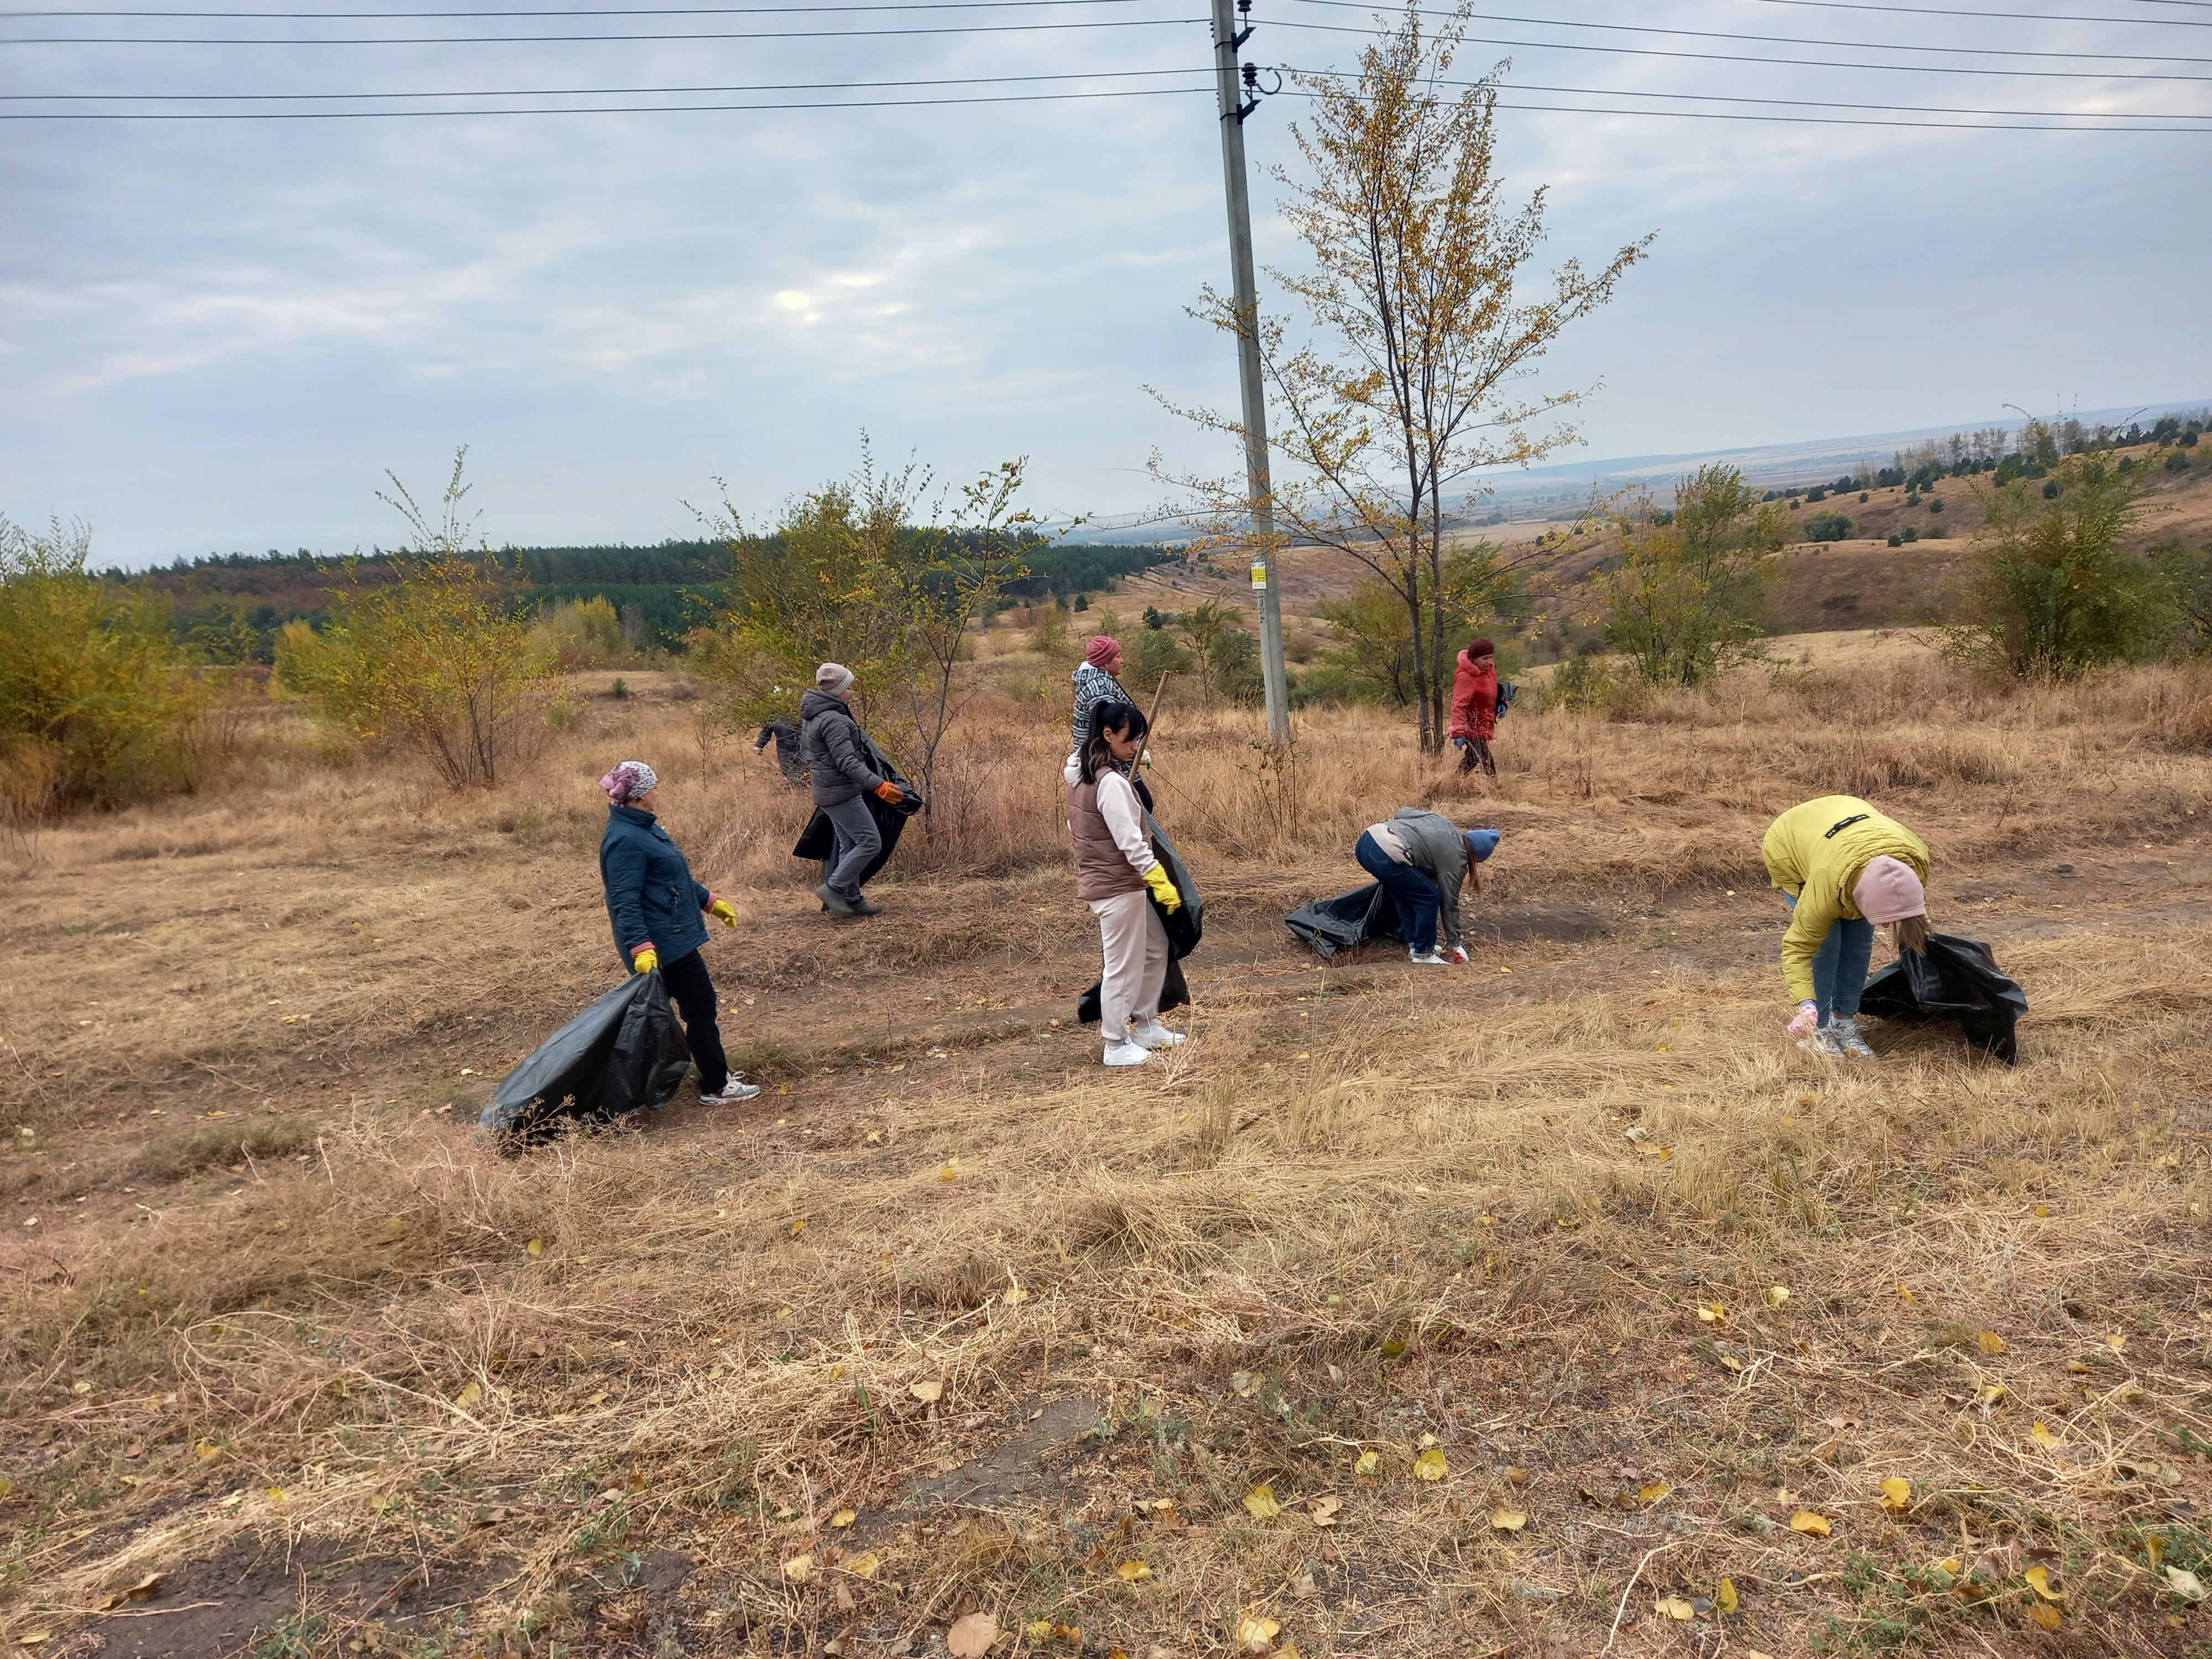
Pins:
x,y
1101,650
1887,890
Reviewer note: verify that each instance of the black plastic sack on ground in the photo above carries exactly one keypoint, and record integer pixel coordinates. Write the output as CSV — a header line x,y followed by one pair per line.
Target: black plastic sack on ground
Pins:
x,y
1956,979
624,1052
1184,926
819,839
1332,925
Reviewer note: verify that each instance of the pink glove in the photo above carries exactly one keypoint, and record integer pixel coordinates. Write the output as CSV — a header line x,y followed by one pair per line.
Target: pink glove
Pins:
x,y
1807,1020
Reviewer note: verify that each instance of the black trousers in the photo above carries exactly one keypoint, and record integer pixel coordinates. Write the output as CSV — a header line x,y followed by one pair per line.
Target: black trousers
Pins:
x,y
693,992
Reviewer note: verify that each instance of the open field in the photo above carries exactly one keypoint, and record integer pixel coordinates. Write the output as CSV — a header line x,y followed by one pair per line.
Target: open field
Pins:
x,y
952,1322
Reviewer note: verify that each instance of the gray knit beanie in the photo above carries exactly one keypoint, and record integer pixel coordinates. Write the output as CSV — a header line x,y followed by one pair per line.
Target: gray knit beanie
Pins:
x,y
833,677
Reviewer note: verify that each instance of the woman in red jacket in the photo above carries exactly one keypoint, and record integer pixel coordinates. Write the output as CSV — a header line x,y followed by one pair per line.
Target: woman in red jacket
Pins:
x,y
1474,707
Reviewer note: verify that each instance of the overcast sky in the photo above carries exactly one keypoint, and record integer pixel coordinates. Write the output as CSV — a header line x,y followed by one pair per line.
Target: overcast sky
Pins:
x,y
216,335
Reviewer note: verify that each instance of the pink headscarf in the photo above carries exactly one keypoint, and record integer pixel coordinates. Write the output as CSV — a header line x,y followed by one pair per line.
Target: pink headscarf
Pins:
x,y
1101,650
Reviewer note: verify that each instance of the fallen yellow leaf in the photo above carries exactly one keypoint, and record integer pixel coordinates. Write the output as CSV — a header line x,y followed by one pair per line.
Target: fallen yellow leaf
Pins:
x,y
2038,1580
949,1173
1508,1520
1777,1294
844,1518
1725,1599
2116,1342
863,1565
2045,1615
1038,1630
468,1397
971,1638
1906,1294
2042,1435
796,1569
536,1247
1654,1493
1367,1463
1675,1607
1260,1501
1988,1394
1896,1494
1712,1312
1991,1342
1132,1571
930,1389
1016,1296
1808,1521
207,1451
2155,1547
1323,1510
1429,1465
1255,1634
799,1226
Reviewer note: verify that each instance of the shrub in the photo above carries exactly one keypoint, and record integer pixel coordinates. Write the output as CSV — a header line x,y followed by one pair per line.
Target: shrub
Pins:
x,y
96,700
1151,655
1896,540
1815,496
1686,596
1910,534
1864,496
440,660
1935,504
2059,594
1585,681
1827,528
579,634
2177,461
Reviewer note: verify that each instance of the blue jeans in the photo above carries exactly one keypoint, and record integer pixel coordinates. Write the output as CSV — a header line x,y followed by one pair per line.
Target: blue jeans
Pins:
x,y
1413,893
1839,966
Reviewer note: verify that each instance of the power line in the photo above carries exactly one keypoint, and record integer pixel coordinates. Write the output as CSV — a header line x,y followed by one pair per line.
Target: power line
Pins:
x,y
1087,74
588,92
586,109
1800,63
1049,97
586,40
968,5
601,11
2009,16
1784,40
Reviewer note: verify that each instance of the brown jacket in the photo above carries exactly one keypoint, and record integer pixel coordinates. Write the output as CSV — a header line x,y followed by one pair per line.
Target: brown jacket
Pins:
x,y
1102,868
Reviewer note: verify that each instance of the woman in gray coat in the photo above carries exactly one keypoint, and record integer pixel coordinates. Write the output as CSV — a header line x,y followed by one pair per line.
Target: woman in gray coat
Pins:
x,y
836,757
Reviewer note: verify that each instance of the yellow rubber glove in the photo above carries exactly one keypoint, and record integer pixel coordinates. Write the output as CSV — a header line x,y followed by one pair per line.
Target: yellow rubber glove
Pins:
x,y
723,911
646,960
1164,889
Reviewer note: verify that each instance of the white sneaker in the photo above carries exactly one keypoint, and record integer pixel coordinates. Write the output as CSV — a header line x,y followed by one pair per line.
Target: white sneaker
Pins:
x,y
1127,1053
1846,1033
1153,1034
733,1093
1822,1042
1435,958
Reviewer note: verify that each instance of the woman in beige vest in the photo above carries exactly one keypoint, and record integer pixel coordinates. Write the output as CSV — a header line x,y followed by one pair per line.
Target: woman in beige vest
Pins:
x,y
1118,875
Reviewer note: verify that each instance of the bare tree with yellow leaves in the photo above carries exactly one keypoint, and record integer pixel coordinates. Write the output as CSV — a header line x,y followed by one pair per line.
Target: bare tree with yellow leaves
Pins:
x,y
1417,336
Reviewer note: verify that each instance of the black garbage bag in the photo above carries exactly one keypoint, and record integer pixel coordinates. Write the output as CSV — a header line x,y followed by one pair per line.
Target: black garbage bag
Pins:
x,y
624,1052
819,839
1332,925
1955,979
1184,927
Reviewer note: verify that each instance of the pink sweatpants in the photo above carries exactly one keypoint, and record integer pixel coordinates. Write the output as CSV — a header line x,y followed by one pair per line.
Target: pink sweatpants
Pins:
x,y
1136,950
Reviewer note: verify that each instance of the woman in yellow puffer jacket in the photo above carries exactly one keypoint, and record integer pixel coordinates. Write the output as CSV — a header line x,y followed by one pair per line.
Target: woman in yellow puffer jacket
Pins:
x,y
1843,867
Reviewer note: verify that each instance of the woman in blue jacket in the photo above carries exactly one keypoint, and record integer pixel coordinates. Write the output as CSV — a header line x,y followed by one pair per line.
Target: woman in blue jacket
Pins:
x,y
658,913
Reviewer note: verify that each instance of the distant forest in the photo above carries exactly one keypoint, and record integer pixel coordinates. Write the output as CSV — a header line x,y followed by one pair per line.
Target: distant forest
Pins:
x,y
233,605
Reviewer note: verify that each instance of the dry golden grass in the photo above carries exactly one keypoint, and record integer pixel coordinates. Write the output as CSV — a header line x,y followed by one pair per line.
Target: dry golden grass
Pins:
x,y
286,1335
